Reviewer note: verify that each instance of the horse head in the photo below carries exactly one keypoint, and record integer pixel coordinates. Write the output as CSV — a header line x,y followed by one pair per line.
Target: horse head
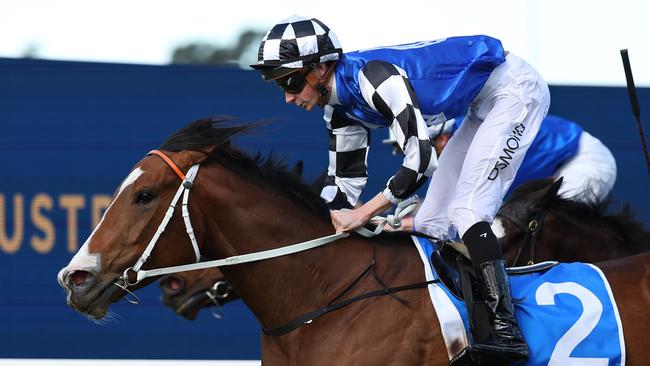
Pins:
x,y
537,224
241,204
529,199
520,216
100,271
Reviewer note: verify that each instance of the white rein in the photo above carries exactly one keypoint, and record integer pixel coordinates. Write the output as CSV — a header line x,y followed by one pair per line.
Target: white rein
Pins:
x,y
402,210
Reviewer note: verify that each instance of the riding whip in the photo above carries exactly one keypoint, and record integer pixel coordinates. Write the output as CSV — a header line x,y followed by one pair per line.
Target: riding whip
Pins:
x,y
631,89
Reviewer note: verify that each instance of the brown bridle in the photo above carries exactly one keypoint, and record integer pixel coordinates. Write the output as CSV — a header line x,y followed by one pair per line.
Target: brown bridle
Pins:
x,y
531,231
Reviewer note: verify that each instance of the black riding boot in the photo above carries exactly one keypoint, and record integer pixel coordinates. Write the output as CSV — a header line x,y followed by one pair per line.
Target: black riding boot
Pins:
x,y
504,340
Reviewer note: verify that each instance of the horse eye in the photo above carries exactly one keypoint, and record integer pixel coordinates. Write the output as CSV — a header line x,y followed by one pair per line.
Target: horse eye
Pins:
x,y
143,197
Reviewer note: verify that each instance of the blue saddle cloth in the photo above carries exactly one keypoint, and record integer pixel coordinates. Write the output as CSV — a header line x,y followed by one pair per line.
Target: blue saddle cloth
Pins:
x,y
567,315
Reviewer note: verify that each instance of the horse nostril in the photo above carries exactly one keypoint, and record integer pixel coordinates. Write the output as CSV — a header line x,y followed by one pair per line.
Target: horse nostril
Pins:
x,y
78,278
171,285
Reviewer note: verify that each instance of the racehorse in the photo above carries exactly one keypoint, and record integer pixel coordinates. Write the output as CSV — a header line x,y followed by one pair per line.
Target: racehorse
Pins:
x,y
244,205
536,224
188,292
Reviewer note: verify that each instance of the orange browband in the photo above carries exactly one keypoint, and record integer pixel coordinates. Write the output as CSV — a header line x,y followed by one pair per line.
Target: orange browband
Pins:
x,y
169,162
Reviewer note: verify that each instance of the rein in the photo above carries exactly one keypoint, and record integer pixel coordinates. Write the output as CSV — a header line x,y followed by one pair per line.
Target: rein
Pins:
x,y
533,229
187,183
184,190
402,210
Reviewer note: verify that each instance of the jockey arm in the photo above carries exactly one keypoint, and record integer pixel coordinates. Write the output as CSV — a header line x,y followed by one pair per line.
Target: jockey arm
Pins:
x,y
347,170
386,89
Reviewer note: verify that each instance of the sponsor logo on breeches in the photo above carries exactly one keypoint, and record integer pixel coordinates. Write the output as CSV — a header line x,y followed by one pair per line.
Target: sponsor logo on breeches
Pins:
x,y
510,148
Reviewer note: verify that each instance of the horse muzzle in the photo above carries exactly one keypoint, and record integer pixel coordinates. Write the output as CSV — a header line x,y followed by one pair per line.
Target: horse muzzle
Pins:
x,y
88,294
185,302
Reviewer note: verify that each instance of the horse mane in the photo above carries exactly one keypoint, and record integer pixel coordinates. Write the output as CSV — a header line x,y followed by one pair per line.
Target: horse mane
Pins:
x,y
270,171
622,222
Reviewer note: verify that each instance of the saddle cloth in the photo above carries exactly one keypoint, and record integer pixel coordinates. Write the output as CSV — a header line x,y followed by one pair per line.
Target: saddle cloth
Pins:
x,y
567,314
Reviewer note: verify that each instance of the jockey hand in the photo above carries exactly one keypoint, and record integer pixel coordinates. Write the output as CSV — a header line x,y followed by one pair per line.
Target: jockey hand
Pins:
x,y
348,220
406,223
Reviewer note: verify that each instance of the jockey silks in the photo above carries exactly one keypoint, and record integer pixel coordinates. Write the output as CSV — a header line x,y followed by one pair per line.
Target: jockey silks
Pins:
x,y
402,87
446,75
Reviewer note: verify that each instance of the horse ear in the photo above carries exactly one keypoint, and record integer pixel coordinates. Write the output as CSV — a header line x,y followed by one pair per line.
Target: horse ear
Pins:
x,y
547,193
188,158
298,168
555,187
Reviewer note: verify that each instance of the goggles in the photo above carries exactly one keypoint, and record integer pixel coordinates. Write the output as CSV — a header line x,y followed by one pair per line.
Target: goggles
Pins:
x,y
293,83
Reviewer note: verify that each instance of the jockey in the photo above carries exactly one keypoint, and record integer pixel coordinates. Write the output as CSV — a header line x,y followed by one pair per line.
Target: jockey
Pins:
x,y
406,88
562,148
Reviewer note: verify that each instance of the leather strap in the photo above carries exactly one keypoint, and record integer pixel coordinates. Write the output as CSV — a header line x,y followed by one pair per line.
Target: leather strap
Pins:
x,y
319,83
309,317
169,162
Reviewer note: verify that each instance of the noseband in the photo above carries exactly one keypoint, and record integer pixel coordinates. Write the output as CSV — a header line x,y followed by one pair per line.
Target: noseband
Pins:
x,y
533,229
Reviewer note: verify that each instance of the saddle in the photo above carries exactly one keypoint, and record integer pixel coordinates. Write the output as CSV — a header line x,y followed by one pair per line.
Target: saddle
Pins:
x,y
449,264
456,272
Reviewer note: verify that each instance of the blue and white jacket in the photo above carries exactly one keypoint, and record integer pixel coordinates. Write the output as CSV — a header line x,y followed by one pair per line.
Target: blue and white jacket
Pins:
x,y
405,88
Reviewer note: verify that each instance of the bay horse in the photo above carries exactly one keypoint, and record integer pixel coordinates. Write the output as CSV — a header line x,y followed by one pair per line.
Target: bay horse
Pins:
x,y
536,224
243,205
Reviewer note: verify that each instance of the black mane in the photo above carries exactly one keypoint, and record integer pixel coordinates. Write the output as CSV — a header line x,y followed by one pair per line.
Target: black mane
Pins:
x,y
214,131
218,131
620,222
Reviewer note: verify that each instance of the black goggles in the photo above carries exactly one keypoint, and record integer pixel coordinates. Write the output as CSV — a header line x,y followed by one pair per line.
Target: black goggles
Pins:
x,y
293,83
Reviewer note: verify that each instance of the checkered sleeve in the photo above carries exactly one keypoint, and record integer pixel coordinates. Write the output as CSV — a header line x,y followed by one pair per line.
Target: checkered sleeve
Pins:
x,y
348,152
387,89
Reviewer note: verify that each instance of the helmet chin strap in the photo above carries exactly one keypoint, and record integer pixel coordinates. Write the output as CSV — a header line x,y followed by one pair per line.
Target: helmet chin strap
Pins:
x,y
319,83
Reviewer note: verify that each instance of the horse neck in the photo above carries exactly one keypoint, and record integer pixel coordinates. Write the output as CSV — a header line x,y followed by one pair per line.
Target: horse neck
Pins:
x,y
245,217
578,239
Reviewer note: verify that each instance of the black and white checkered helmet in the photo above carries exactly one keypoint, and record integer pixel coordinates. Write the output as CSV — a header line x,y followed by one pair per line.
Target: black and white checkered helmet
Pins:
x,y
294,43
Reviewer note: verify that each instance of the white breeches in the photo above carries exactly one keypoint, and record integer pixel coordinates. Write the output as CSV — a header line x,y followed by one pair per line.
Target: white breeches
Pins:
x,y
479,163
